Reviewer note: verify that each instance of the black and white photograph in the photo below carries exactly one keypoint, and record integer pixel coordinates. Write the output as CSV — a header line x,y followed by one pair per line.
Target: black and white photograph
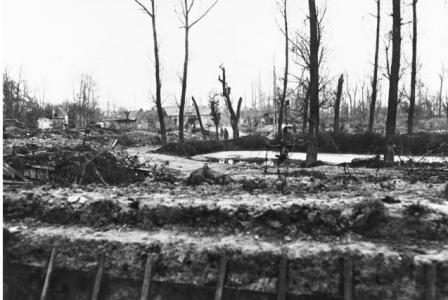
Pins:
x,y
224,149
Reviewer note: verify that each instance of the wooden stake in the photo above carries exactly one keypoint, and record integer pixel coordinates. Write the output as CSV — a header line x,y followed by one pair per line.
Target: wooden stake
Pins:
x,y
147,278
44,293
98,278
221,278
430,291
348,278
282,284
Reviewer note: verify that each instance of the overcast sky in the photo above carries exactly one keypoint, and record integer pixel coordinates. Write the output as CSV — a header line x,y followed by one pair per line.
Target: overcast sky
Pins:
x,y
55,41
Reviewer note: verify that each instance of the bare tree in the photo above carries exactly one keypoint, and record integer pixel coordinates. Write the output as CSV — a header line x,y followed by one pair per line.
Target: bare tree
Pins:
x,y
83,99
198,113
414,69
306,104
313,135
375,68
126,113
337,104
234,116
160,113
215,112
301,47
352,94
187,24
393,82
285,76
441,77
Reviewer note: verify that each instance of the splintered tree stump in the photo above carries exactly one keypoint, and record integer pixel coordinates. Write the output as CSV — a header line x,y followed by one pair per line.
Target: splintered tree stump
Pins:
x,y
207,175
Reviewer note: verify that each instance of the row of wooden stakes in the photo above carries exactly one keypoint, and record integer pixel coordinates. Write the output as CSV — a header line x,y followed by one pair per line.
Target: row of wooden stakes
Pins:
x,y
282,283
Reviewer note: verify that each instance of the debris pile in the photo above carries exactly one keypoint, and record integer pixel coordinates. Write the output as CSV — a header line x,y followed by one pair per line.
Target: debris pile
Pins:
x,y
78,165
109,168
205,174
162,173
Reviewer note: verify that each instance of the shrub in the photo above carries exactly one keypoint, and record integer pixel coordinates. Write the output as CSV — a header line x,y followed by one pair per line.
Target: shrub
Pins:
x,y
368,214
416,210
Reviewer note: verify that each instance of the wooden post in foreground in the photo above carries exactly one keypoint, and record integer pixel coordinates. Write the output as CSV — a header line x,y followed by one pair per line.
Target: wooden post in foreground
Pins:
x,y
282,284
147,278
44,293
348,279
430,288
98,278
221,278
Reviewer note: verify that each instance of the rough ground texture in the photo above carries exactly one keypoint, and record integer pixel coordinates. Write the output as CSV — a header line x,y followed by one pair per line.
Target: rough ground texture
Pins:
x,y
391,223
421,213
382,270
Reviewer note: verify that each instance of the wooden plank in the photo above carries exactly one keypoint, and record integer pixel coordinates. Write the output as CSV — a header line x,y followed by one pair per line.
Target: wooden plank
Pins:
x,y
282,284
43,295
147,279
12,182
348,279
98,278
221,278
431,276
7,169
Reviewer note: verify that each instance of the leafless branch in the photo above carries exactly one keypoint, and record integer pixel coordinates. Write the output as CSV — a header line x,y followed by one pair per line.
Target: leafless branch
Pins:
x,y
143,7
203,15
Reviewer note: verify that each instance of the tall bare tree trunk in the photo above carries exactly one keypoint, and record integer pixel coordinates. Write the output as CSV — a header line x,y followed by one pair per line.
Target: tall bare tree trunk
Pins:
x,y
313,135
234,116
187,6
184,84
204,135
217,132
160,111
285,75
375,68
306,102
234,119
337,104
414,69
393,82
442,77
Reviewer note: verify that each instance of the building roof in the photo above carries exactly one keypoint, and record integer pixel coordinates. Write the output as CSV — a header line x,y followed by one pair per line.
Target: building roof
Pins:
x,y
121,116
173,111
133,115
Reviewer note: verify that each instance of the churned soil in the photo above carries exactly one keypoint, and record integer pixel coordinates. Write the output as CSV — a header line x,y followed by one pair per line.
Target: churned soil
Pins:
x,y
391,223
